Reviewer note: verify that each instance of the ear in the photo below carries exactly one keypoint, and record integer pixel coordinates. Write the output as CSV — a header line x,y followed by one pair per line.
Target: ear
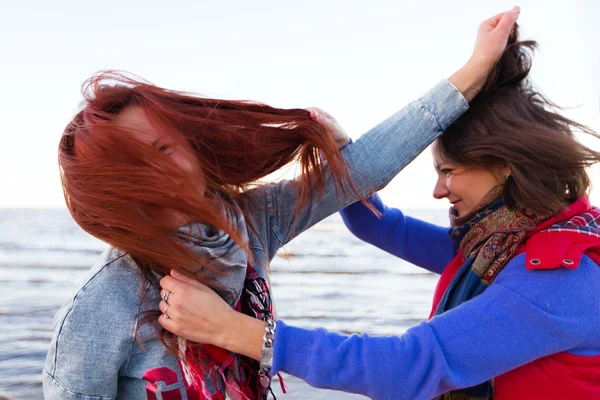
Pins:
x,y
506,172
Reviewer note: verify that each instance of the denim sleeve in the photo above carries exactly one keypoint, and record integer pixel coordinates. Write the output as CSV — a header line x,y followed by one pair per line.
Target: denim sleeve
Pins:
x,y
373,160
419,242
93,339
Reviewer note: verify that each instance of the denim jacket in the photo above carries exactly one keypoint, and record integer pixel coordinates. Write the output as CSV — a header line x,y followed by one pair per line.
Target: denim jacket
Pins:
x,y
95,354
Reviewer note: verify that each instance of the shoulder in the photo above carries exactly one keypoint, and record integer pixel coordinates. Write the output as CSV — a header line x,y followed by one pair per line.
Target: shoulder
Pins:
x,y
561,291
112,293
115,280
95,331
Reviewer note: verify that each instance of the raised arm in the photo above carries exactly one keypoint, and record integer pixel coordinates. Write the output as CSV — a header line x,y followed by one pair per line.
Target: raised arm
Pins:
x,y
419,242
387,148
373,160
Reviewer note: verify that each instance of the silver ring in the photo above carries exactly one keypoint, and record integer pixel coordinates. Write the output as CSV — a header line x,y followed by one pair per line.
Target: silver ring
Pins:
x,y
166,296
166,308
166,316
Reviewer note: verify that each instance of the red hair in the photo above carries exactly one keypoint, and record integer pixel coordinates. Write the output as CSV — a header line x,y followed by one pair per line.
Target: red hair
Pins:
x,y
112,181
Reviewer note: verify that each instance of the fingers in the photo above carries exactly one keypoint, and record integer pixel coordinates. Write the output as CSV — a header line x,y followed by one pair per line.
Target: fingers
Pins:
x,y
188,280
176,317
173,325
316,113
325,120
507,20
168,317
163,306
319,115
504,20
493,22
171,284
168,297
169,309
168,324
176,282
171,318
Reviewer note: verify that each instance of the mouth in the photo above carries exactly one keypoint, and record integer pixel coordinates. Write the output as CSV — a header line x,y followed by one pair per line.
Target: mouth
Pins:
x,y
453,205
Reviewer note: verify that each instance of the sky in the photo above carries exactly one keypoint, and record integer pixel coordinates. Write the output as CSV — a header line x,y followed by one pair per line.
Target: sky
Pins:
x,y
358,60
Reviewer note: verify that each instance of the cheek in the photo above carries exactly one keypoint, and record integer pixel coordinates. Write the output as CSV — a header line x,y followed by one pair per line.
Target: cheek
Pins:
x,y
186,162
453,183
461,187
476,187
191,166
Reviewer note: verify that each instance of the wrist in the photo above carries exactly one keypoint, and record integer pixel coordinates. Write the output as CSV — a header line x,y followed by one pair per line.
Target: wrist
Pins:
x,y
226,336
341,143
471,77
243,335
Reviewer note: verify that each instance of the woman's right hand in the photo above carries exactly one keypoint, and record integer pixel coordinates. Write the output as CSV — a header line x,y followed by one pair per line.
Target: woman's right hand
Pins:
x,y
197,313
492,37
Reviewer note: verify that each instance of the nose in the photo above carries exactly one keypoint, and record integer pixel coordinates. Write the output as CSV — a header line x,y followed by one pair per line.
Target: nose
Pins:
x,y
440,190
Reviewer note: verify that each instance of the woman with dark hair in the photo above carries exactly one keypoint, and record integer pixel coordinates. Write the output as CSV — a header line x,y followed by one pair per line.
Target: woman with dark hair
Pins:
x,y
516,312
169,180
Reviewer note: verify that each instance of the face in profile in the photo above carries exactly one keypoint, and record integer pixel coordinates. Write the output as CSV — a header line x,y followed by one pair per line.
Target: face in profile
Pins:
x,y
176,148
464,186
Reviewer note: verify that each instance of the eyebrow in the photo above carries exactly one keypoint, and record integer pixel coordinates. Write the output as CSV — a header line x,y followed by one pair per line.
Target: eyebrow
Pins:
x,y
444,162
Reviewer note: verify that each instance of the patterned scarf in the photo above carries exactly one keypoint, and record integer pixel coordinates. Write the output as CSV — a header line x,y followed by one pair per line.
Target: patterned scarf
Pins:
x,y
215,373
488,238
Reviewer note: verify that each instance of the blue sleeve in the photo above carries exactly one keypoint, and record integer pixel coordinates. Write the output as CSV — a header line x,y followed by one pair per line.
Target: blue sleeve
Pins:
x,y
523,316
421,243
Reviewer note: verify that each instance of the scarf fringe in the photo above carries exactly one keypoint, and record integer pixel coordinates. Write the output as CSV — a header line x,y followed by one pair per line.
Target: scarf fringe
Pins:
x,y
196,372
185,366
233,377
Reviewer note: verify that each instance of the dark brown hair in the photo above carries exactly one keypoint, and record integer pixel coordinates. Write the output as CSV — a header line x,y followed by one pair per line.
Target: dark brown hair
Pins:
x,y
511,123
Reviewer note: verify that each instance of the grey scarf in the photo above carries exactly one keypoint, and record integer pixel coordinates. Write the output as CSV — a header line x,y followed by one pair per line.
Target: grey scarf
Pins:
x,y
221,253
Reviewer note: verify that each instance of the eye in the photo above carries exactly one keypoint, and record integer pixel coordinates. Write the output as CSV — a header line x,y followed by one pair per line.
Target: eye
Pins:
x,y
447,171
165,149
164,146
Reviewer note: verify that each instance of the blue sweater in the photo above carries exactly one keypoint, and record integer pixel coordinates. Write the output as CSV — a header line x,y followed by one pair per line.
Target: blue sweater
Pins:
x,y
524,315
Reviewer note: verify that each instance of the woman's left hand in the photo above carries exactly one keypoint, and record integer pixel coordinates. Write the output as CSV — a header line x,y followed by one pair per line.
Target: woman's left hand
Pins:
x,y
331,125
195,312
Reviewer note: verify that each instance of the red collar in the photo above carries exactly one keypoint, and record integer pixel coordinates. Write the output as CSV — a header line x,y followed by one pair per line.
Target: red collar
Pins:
x,y
550,250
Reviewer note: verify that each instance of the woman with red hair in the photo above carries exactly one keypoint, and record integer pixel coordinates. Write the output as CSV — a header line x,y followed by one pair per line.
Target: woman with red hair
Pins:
x,y
169,180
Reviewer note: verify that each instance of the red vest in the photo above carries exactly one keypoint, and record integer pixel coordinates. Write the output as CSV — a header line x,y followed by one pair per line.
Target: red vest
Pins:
x,y
559,376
